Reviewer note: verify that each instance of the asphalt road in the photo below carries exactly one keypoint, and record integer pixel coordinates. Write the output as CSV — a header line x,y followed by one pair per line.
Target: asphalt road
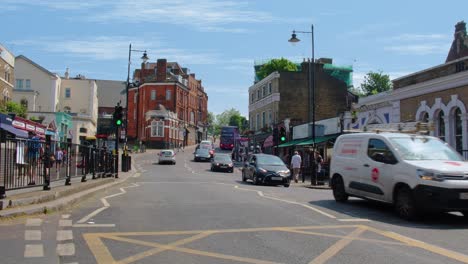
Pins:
x,y
185,213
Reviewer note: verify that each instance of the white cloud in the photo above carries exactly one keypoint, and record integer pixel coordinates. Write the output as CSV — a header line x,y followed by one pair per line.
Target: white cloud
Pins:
x,y
420,37
55,4
419,49
112,48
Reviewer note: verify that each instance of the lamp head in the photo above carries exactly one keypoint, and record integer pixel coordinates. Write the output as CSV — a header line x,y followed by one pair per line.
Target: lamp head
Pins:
x,y
145,57
293,38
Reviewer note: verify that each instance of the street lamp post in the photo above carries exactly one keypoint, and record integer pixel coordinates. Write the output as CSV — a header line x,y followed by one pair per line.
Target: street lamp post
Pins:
x,y
144,58
311,83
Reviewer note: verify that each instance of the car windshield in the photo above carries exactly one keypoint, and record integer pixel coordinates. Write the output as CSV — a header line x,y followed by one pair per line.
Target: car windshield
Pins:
x,y
222,158
269,160
166,153
202,151
424,148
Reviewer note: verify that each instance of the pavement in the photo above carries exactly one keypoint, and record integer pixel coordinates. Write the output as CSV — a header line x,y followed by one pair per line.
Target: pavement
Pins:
x,y
34,200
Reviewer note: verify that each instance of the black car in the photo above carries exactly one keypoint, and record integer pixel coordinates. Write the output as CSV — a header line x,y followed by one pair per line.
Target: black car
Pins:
x,y
202,154
222,162
266,169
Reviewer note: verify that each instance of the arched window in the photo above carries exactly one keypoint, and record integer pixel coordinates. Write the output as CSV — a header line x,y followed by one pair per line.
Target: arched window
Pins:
x,y
83,130
157,128
192,117
24,103
458,130
67,109
441,125
425,117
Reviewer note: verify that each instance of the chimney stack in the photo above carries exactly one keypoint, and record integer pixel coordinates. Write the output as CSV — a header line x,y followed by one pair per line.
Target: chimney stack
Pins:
x,y
459,48
67,73
161,70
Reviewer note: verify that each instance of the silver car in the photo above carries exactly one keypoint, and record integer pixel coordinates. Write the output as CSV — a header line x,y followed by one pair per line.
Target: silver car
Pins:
x,y
166,156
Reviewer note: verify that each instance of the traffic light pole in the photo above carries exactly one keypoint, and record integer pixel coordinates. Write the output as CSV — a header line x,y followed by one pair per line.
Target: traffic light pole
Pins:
x,y
116,165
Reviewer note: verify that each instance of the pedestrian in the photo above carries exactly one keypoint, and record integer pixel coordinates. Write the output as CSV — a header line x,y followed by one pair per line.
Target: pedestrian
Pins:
x,y
58,159
296,161
318,161
20,158
33,151
48,158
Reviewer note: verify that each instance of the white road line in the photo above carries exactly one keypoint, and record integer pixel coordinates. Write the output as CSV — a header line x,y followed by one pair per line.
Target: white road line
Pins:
x,y
105,203
34,251
287,201
30,235
354,220
64,235
34,222
65,223
66,249
65,216
94,225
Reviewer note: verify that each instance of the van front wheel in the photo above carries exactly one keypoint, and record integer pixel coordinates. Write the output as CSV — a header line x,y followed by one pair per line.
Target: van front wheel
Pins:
x,y
404,204
339,191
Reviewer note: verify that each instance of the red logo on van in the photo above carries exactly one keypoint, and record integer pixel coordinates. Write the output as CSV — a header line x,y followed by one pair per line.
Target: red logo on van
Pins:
x,y
375,174
453,163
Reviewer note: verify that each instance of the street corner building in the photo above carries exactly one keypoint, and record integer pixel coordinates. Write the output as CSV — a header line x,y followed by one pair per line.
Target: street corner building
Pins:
x,y
167,106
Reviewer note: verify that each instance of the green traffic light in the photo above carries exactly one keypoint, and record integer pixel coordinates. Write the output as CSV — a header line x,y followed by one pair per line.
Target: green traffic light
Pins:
x,y
283,138
119,122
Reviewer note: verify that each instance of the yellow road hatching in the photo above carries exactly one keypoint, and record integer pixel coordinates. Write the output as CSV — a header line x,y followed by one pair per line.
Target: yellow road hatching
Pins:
x,y
103,255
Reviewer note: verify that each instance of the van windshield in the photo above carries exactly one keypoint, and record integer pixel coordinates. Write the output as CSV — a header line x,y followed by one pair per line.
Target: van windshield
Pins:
x,y
424,148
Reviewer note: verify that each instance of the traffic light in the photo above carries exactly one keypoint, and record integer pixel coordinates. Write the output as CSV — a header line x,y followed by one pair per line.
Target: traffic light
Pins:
x,y
117,117
282,135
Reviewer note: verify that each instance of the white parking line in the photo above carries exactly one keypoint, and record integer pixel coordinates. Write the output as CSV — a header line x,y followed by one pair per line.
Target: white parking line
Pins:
x,y
66,249
354,220
64,235
34,251
65,216
65,223
34,222
32,235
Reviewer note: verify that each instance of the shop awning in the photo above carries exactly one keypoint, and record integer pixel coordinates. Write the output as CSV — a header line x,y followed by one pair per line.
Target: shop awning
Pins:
x,y
292,143
309,141
17,132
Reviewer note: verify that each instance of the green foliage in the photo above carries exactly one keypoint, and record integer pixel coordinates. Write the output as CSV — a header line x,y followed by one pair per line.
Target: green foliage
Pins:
x,y
210,120
376,82
231,117
356,91
276,65
13,107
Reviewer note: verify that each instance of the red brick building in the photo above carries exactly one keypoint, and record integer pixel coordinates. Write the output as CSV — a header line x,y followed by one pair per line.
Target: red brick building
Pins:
x,y
168,107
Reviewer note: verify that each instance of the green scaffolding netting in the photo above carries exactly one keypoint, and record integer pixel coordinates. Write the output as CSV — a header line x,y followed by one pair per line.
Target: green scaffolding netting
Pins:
x,y
343,73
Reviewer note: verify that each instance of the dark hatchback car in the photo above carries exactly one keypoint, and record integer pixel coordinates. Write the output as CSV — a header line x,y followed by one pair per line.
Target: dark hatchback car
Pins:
x,y
266,169
222,162
201,154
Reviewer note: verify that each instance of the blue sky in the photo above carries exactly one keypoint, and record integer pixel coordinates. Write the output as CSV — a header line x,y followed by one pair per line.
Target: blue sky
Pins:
x,y
220,40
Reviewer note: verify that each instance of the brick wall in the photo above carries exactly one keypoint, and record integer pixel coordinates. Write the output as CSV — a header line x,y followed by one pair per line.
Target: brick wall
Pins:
x,y
409,107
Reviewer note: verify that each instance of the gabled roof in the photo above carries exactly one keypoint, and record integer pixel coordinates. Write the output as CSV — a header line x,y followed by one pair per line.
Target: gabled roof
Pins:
x,y
37,65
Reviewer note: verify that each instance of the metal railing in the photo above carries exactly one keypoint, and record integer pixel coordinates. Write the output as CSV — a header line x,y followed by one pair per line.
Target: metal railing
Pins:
x,y
23,163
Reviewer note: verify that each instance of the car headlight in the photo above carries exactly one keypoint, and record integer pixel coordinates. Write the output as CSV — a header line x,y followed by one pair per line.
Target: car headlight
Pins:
x,y
196,155
285,173
230,165
262,170
217,164
429,175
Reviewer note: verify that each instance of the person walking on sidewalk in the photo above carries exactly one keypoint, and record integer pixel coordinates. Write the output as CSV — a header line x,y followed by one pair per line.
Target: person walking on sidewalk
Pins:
x,y
296,161
58,159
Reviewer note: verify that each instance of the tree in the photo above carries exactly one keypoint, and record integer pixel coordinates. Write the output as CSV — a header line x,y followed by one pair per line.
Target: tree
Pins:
x,y
376,82
231,117
211,122
13,107
276,65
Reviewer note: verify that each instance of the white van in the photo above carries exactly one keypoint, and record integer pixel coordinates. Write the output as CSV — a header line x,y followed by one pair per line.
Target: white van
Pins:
x,y
415,173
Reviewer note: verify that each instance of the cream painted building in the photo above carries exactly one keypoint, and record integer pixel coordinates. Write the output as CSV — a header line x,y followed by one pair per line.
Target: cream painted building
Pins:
x,y
46,94
79,98
7,77
35,87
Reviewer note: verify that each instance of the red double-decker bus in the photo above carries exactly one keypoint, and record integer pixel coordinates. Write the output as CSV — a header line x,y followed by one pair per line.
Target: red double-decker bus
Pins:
x,y
229,135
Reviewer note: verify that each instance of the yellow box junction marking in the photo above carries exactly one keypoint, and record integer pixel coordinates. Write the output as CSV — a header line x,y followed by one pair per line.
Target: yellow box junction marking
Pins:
x,y
103,255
